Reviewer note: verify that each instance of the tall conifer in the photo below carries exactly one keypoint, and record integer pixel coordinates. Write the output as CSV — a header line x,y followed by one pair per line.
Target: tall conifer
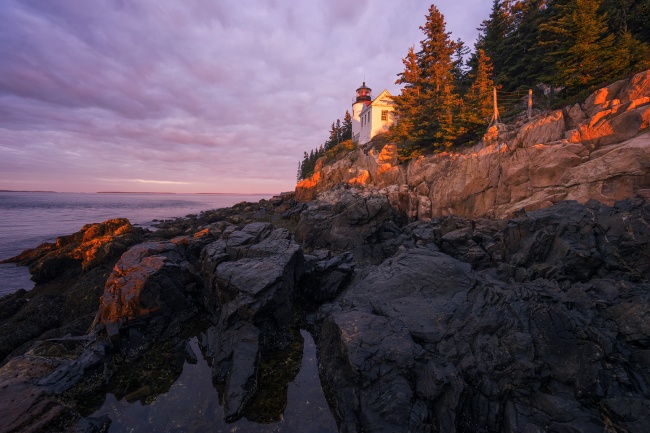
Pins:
x,y
346,130
478,102
580,45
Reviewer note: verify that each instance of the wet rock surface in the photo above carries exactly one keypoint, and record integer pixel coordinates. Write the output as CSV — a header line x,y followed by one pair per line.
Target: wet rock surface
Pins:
x,y
535,323
252,276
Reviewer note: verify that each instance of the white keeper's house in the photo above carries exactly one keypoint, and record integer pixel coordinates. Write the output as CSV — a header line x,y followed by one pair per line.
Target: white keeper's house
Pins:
x,y
371,116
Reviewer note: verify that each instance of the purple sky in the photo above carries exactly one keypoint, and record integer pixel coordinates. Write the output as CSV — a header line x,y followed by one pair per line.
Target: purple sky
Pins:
x,y
191,95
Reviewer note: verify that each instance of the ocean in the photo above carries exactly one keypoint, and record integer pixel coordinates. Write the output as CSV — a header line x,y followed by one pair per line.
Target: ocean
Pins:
x,y
27,219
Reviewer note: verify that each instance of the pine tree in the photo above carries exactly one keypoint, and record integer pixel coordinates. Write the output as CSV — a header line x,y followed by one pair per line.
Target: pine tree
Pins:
x,y
428,102
346,130
631,55
493,33
437,82
580,46
478,100
407,103
333,138
459,71
339,131
630,16
523,55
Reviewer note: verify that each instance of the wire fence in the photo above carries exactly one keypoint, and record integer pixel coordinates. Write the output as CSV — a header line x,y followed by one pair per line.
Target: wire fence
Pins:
x,y
510,104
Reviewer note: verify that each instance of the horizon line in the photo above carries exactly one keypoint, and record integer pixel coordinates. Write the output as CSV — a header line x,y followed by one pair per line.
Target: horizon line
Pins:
x,y
142,192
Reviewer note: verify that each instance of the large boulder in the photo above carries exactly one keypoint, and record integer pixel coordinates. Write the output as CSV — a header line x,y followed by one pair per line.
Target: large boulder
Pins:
x,y
151,284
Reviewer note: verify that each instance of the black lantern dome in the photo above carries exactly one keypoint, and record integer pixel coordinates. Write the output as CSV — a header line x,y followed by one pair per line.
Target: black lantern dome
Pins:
x,y
364,93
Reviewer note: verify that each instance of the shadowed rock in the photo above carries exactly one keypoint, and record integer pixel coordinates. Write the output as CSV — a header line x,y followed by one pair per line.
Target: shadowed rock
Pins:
x,y
250,282
424,342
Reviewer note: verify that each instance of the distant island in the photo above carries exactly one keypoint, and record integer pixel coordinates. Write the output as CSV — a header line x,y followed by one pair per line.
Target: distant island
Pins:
x,y
10,190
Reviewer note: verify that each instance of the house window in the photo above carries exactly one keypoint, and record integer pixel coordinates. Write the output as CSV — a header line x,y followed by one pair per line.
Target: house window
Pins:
x,y
384,115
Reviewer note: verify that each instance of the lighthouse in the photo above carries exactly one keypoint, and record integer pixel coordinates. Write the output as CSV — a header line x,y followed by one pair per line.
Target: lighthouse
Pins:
x,y
369,117
362,99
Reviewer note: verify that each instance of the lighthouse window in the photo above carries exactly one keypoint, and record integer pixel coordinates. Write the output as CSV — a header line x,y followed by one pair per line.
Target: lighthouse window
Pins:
x,y
384,114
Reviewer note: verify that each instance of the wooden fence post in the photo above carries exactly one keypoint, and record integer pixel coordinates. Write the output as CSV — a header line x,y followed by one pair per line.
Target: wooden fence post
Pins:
x,y
495,116
530,103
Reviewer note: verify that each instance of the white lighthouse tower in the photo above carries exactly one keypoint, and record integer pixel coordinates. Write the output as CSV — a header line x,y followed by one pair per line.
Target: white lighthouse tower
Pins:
x,y
363,99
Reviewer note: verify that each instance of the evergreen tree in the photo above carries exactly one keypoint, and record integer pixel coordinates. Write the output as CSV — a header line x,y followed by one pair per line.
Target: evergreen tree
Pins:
x,y
460,74
631,16
478,102
630,54
339,131
437,82
523,63
492,35
333,138
581,47
428,102
346,129
407,103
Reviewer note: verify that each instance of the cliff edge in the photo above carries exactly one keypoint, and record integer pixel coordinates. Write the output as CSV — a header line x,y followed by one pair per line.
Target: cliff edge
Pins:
x,y
599,149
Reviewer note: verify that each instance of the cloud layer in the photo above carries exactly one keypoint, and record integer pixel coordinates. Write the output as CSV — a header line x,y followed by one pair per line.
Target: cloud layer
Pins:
x,y
191,96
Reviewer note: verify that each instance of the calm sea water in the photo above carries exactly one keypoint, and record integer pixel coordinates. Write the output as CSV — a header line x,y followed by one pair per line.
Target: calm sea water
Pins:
x,y
29,219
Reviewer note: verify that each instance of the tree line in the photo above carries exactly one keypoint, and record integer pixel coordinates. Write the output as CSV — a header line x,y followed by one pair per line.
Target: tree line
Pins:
x,y
571,47
340,132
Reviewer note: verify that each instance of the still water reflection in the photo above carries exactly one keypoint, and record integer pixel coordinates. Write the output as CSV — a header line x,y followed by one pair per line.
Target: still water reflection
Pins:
x,y
192,404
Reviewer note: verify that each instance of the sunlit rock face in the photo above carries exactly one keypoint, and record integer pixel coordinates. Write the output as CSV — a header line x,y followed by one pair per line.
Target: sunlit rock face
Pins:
x,y
93,245
596,150
150,279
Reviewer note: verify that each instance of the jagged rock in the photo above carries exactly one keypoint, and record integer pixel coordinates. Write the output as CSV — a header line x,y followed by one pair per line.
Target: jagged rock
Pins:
x,y
608,131
575,116
93,245
31,386
326,275
544,130
343,219
422,342
70,276
236,363
636,87
251,285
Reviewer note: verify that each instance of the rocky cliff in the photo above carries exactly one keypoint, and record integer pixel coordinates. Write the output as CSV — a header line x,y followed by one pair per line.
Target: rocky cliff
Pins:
x,y
599,149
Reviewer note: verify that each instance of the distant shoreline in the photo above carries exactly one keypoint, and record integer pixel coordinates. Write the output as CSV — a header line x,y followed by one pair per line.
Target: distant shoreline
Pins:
x,y
11,190
145,192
